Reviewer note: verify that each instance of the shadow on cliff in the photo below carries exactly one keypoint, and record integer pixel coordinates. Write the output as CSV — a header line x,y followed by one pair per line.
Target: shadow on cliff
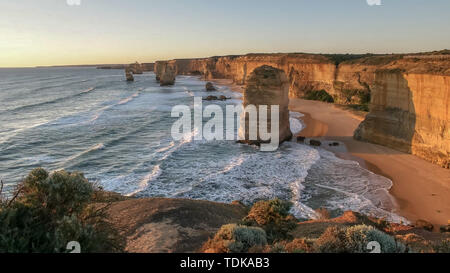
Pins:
x,y
391,121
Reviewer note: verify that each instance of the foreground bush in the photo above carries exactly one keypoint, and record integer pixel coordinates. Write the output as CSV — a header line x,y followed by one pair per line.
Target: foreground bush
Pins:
x,y
49,210
442,247
331,241
234,238
272,216
356,239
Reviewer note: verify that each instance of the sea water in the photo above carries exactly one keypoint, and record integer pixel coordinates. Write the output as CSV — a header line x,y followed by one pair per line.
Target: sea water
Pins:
x,y
118,135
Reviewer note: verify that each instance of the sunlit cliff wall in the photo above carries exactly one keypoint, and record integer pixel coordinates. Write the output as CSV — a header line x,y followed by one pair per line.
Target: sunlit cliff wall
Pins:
x,y
408,94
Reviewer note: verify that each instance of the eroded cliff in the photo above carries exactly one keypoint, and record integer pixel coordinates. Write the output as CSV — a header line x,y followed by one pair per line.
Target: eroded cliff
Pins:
x,y
410,113
408,93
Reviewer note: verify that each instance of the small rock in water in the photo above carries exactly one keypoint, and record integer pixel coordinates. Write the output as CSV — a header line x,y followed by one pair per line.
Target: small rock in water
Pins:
x,y
301,139
210,98
424,224
334,144
222,97
314,142
129,75
210,87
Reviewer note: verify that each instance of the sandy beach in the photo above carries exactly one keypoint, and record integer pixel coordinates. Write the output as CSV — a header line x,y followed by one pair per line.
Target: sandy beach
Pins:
x,y
420,188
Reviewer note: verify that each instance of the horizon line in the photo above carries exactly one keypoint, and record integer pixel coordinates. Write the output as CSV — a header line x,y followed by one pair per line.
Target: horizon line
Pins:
x,y
226,55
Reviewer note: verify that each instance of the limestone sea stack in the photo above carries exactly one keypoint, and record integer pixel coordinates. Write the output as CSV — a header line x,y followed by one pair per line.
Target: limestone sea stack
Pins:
x,y
269,86
158,67
168,74
129,75
136,68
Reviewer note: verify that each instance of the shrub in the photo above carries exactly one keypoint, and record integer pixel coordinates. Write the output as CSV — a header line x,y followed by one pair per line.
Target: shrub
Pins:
x,y
442,247
272,216
320,95
234,238
331,241
50,210
358,238
299,245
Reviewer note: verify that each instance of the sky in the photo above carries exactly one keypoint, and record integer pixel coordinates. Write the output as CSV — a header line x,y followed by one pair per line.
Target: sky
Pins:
x,y
60,32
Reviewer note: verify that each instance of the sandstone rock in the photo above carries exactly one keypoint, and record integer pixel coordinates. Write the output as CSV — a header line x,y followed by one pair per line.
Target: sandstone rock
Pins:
x,y
410,113
160,225
211,98
210,87
129,75
136,68
168,74
314,142
268,86
158,68
424,224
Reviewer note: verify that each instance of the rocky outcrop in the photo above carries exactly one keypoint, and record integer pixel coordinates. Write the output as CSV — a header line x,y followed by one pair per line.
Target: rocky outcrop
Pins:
x,y
168,74
136,68
160,225
267,86
210,87
410,112
158,67
129,75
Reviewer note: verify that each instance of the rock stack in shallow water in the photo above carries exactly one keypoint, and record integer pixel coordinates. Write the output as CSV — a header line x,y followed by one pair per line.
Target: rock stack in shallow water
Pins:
x,y
158,69
168,74
210,87
129,75
269,86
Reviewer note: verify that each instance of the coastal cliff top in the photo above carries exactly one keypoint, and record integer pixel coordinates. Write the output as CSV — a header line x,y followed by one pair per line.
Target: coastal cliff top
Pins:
x,y
436,62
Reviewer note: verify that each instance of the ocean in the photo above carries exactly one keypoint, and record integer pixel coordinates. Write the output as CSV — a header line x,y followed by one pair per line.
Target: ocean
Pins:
x,y
119,135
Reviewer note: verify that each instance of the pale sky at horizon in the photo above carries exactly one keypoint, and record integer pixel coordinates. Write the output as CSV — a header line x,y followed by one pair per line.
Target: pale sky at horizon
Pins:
x,y
51,32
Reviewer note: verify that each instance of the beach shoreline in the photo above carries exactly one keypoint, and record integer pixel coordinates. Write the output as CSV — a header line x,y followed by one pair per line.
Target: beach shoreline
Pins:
x,y
419,187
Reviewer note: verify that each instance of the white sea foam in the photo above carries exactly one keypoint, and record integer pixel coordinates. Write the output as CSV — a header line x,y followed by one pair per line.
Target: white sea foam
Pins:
x,y
121,102
128,99
189,92
247,177
88,90
348,186
99,146
296,125
143,184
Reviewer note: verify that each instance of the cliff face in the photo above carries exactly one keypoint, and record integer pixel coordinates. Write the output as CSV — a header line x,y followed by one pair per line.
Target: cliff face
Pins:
x,y
305,72
409,94
411,113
